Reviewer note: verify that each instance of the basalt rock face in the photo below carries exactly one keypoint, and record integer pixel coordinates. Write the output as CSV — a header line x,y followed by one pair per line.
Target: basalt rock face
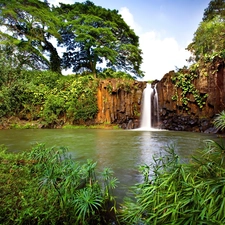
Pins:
x,y
175,116
119,102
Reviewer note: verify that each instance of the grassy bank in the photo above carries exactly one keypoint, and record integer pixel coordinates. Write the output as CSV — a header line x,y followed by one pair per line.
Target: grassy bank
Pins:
x,y
16,123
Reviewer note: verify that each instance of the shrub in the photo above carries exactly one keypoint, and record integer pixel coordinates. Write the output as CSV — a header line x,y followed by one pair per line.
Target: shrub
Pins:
x,y
46,186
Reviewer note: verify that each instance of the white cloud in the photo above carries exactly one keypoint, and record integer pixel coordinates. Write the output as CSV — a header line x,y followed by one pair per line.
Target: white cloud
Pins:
x,y
160,55
128,17
56,2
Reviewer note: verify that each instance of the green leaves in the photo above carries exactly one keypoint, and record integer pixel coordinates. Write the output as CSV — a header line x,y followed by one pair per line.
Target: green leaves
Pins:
x,y
180,194
86,203
46,186
219,121
93,35
184,80
208,39
28,28
47,96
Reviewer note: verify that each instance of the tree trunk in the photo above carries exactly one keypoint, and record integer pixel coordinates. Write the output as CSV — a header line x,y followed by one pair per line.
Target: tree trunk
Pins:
x,y
55,61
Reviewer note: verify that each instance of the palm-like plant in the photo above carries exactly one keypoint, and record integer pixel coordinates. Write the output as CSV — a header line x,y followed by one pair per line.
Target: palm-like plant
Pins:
x,y
87,204
219,122
78,195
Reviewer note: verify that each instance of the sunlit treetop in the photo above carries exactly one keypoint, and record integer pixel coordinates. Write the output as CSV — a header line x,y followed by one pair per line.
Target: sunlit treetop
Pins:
x,y
28,27
96,38
209,38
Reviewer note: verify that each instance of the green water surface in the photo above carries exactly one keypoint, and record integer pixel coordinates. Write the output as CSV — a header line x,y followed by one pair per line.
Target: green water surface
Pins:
x,y
121,150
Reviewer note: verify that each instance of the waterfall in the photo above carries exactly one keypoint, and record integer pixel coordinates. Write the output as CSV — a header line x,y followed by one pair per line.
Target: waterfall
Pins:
x,y
150,108
146,108
155,107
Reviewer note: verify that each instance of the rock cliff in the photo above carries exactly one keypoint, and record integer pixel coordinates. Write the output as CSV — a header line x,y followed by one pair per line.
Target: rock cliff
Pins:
x,y
119,102
190,100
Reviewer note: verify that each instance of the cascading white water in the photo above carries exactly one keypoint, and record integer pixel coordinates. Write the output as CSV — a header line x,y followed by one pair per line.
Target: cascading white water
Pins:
x,y
146,108
156,106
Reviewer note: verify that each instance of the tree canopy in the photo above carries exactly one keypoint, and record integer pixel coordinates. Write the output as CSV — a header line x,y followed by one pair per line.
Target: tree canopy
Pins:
x,y
94,35
95,38
28,27
209,38
215,8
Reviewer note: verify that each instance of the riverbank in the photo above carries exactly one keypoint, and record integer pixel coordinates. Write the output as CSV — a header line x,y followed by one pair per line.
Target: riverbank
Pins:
x,y
16,123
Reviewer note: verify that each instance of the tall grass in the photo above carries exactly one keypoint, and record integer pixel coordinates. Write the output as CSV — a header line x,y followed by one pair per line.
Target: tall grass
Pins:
x,y
219,121
179,193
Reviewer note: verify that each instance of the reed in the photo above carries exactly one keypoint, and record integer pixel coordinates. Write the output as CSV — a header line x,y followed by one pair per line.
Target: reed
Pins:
x,y
179,193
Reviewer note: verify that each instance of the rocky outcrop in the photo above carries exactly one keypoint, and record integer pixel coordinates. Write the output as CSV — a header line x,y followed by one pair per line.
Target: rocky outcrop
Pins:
x,y
175,114
119,102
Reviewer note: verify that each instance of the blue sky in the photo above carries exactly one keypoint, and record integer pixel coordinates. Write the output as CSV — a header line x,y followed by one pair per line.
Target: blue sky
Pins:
x,y
165,28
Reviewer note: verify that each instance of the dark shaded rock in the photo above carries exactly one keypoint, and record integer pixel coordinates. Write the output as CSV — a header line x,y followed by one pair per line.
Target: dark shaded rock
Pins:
x,y
211,130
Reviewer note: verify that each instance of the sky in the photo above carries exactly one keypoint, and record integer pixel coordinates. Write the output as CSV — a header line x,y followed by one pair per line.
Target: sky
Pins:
x,y
165,28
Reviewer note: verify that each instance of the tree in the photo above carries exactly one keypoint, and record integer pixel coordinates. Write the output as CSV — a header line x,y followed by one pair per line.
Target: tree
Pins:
x,y
95,38
215,8
209,38
28,27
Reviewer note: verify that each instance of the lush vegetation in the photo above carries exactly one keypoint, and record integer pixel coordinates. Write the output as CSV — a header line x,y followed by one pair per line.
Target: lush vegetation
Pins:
x,y
208,40
219,121
46,186
89,38
32,99
38,41
183,80
47,97
208,44
174,193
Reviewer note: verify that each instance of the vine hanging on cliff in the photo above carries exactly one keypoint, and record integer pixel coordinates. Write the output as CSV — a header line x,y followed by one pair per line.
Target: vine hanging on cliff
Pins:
x,y
183,79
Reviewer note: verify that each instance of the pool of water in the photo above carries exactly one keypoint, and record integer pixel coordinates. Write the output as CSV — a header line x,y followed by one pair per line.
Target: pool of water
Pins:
x,y
121,150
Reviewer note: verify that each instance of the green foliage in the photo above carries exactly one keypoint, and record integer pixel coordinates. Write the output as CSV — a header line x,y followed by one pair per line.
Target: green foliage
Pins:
x,y
219,121
180,194
93,35
215,8
121,84
46,186
208,40
110,73
28,27
82,102
48,97
184,80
